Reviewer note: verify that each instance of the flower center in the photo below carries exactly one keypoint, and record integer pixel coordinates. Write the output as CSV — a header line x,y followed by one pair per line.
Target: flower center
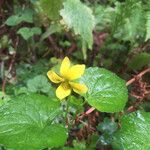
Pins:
x,y
66,85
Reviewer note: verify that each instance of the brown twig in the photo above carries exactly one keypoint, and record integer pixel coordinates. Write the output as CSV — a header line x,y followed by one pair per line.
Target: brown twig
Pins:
x,y
71,49
138,76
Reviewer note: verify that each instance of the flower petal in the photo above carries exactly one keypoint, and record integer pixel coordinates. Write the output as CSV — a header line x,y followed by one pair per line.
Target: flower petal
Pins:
x,y
78,88
65,65
63,90
75,72
54,77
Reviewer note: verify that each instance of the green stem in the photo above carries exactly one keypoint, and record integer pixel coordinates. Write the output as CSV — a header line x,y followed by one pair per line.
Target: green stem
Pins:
x,y
66,114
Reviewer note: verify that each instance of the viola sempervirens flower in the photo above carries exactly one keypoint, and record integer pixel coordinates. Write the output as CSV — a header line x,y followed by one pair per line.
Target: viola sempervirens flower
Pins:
x,y
68,73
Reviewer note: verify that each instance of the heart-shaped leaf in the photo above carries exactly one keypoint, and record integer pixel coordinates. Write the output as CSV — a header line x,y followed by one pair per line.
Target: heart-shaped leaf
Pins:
x,y
40,84
24,16
106,91
26,33
27,123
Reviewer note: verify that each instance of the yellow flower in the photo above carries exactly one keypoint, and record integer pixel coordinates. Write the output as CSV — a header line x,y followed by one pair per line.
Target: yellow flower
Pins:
x,y
68,73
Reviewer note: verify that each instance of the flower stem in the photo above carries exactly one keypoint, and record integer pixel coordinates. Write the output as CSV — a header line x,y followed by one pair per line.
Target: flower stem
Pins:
x,y
66,114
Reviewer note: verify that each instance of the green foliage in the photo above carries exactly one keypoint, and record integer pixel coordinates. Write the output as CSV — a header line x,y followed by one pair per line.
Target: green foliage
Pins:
x,y
4,98
39,84
27,122
105,139
140,61
76,104
77,146
51,8
4,41
107,127
106,91
31,117
75,19
27,33
25,70
75,101
134,133
128,20
103,16
24,16
148,26
52,29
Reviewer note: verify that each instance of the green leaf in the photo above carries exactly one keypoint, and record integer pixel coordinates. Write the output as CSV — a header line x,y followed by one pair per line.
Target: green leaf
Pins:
x,y
76,102
26,33
40,84
51,8
27,123
26,16
20,90
103,16
105,139
13,20
52,29
79,17
134,133
106,91
139,61
128,26
76,105
76,146
3,98
107,126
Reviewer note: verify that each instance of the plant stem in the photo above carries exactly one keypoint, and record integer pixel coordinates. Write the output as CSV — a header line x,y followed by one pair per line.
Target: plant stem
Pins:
x,y
66,114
